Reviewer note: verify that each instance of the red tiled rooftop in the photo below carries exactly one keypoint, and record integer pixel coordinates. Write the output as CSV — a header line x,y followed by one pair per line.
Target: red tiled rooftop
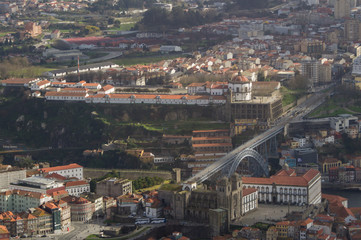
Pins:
x,y
76,183
283,180
247,191
60,168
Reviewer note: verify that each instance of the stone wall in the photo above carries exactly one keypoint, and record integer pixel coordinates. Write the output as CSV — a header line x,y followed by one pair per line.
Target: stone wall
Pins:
x,y
126,173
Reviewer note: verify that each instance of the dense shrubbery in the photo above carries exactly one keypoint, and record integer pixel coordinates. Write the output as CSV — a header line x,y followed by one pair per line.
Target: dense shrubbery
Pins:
x,y
145,182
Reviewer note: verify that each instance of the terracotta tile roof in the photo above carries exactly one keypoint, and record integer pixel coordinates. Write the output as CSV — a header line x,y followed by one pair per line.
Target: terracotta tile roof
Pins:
x,y
106,88
74,200
333,198
310,174
66,94
3,230
91,84
212,145
53,190
247,191
340,211
76,183
283,180
50,205
42,82
56,176
283,223
60,193
209,138
324,218
36,195
210,131
290,172
26,215
307,221
60,168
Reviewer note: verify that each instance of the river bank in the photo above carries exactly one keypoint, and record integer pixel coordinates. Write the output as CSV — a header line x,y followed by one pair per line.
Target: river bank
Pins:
x,y
341,186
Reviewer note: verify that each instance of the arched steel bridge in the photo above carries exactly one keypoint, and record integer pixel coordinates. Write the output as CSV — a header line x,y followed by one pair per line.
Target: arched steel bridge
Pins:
x,y
229,163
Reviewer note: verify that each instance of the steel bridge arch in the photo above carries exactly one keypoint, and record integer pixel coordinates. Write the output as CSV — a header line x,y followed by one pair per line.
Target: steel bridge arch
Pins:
x,y
248,152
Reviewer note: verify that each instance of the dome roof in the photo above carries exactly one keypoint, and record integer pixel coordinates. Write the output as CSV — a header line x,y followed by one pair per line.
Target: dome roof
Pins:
x,y
240,78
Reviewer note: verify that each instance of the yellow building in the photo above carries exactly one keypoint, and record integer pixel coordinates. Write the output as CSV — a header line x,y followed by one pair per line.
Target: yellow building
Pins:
x,y
241,125
282,229
358,83
328,163
294,144
272,233
135,152
146,157
323,133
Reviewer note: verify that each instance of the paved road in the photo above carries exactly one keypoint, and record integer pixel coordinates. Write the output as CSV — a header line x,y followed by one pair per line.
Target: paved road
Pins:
x,y
81,231
296,114
111,55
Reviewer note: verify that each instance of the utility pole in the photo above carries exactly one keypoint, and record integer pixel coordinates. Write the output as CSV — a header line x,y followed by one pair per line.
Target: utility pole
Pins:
x,y
78,70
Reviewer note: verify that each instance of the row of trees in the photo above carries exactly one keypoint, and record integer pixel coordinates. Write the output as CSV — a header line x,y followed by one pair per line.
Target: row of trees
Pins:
x,y
11,65
161,19
246,4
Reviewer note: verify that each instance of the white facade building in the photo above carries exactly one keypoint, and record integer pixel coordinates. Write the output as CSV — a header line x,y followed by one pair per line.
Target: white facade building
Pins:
x,y
19,200
35,184
241,88
68,171
169,48
167,159
288,187
249,200
66,96
40,85
75,188
107,89
343,122
153,208
356,67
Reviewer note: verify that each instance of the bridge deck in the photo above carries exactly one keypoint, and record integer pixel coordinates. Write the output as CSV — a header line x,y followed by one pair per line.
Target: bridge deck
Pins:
x,y
296,114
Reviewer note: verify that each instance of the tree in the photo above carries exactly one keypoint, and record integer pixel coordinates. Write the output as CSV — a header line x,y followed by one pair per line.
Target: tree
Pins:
x,y
117,23
299,82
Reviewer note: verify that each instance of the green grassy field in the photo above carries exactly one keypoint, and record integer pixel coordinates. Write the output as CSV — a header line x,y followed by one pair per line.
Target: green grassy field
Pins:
x,y
31,71
4,33
355,108
332,108
180,127
290,96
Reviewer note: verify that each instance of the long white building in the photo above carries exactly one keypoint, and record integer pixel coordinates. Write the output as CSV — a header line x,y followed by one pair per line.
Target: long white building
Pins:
x,y
68,171
288,187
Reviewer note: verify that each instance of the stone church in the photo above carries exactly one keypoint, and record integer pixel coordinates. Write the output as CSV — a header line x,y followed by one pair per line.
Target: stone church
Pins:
x,y
216,205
